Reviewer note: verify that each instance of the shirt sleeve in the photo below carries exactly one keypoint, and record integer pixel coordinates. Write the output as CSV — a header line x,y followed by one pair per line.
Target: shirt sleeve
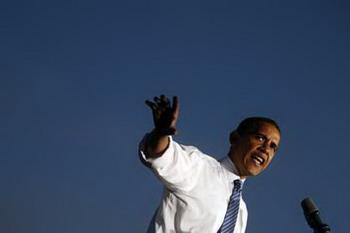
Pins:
x,y
177,168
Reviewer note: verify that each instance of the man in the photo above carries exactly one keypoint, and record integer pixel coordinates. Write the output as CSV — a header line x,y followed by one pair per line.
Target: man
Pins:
x,y
201,194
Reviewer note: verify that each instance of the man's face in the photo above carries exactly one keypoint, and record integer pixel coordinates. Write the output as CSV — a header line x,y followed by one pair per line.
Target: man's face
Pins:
x,y
252,153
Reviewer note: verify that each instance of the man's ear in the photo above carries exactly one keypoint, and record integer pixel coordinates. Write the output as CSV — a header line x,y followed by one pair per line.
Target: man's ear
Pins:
x,y
234,136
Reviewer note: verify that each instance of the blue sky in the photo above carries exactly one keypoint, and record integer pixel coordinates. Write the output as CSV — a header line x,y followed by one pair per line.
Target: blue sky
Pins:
x,y
74,76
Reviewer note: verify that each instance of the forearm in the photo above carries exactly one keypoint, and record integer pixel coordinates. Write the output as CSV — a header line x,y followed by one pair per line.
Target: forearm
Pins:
x,y
156,144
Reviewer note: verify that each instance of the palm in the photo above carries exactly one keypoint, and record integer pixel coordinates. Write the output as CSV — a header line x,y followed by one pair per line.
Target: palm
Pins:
x,y
164,114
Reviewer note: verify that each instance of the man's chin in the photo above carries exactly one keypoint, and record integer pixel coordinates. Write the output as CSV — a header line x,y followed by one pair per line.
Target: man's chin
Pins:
x,y
250,170
254,171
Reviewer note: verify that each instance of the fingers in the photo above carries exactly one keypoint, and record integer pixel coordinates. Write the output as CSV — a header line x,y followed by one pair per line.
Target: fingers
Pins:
x,y
165,101
165,114
152,105
175,106
161,103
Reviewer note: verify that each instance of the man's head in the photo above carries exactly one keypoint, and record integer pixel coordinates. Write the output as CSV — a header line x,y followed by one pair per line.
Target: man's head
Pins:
x,y
254,144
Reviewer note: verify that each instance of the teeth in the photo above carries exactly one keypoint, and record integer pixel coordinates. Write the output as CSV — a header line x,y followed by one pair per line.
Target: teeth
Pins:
x,y
258,159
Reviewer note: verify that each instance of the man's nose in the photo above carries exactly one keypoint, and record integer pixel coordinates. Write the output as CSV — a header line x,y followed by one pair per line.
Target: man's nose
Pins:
x,y
264,148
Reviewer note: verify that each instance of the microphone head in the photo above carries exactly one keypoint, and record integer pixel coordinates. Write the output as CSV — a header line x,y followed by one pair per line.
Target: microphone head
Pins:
x,y
309,206
312,216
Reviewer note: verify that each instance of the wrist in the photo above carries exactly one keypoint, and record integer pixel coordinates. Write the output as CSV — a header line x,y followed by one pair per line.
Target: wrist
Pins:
x,y
159,131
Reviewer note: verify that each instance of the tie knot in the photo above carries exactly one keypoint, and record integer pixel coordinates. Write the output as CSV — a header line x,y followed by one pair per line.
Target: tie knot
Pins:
x,y
237,185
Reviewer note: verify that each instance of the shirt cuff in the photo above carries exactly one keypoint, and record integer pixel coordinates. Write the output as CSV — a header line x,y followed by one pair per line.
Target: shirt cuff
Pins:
x,y
163,160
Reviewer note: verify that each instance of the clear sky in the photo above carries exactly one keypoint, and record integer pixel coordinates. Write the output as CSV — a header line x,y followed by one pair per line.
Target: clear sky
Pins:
x,y
74,76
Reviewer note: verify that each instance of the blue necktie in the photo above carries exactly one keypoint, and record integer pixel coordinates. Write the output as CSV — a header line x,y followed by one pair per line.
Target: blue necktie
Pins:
x,y
232,210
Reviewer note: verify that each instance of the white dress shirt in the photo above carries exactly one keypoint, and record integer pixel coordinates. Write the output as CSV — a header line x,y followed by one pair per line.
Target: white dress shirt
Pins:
x,y
197,189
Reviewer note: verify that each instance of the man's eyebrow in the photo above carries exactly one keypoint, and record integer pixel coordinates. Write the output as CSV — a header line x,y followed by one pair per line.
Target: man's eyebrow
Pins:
x,y
261,134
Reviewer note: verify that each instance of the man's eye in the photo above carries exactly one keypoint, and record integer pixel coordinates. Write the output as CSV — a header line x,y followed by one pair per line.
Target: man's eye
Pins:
x,y
274,147
260,138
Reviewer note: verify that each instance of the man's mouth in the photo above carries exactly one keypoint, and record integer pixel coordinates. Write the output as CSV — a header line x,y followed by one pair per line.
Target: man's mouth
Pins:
x,y
258,159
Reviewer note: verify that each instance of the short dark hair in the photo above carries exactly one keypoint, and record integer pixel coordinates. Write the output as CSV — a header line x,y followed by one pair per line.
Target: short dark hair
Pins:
x,y
251,124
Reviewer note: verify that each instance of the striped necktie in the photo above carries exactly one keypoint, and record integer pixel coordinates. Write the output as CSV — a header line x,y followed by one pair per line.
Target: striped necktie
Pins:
x,y
232,210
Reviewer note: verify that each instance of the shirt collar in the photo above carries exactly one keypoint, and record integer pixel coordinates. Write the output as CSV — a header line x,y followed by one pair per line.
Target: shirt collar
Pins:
x,y
227,163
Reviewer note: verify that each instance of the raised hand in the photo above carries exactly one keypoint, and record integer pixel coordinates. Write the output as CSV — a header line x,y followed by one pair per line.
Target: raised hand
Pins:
x,y
164,114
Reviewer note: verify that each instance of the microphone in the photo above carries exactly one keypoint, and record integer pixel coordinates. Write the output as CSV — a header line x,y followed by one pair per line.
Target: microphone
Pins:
x,y
312,215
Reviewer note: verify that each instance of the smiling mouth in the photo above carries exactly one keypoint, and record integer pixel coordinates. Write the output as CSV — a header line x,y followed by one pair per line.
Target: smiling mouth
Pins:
x,y
258,159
